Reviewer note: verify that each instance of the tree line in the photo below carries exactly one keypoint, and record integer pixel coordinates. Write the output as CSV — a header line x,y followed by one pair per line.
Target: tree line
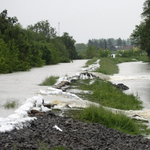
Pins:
x,y
111,43
35,46
141,35
94,46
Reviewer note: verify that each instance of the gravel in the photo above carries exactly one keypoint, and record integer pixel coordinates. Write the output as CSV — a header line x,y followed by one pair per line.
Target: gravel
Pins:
x,y
71,134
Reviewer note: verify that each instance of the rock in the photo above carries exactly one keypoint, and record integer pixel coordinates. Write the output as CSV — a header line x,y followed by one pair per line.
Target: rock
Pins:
x,y
65,88
35,113
60,85
121,86
140,118
53,131
49,105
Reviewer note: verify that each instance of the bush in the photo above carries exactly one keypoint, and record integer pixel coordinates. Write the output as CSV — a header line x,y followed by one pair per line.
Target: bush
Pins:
x,y
104,53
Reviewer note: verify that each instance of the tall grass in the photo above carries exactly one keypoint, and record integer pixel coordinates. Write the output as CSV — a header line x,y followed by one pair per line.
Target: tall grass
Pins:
x,y
104,93
105,117
49,81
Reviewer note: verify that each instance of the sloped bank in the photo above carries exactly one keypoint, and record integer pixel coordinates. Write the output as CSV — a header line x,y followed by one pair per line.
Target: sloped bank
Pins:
x,y
64,131
70,134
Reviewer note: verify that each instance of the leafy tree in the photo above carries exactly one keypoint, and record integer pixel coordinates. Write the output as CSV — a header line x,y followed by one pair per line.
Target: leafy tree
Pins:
x,y
141,34
119,42
44,28
69,42
90,52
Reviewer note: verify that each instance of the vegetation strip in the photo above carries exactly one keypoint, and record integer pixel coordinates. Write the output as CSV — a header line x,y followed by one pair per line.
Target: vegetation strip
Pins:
x,y
106,94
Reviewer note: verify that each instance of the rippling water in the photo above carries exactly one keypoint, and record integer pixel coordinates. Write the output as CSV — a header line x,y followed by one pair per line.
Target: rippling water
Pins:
x,y
23,85
136,75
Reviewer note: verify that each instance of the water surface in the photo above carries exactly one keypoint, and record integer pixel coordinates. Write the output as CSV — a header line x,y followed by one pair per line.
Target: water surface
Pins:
x,y
136,75
23,85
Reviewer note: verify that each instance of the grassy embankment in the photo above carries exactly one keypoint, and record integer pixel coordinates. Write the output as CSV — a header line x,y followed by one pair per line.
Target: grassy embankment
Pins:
x,y
104,93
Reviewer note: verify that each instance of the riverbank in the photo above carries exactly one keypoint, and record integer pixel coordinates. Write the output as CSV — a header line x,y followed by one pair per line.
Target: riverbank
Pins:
x,y
70,134
41,129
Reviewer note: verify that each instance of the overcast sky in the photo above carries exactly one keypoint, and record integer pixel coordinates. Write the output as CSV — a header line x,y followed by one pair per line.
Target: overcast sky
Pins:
x,y
82,19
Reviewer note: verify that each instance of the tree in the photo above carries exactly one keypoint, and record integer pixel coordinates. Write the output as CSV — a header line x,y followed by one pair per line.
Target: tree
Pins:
x,y
90,52
69,42
119,42
44,28
141,34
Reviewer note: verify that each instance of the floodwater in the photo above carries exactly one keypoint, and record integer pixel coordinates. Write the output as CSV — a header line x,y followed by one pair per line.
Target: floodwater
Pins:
x,y
23,85
136,75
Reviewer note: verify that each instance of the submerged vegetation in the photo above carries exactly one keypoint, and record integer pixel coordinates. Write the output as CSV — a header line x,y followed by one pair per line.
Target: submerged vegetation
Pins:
x,y
11,104
49,81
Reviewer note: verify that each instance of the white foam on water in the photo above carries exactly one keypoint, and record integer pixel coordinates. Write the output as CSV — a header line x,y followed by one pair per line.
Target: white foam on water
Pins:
x,y
129,77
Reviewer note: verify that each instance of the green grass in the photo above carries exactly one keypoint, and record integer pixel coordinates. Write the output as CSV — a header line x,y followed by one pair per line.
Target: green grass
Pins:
x,y
143,58
49,81
10,104
120,122
104,93
108,66
91,61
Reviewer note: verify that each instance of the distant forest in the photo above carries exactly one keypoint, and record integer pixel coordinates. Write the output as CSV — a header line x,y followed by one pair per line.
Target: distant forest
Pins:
x,y
111,44
38,45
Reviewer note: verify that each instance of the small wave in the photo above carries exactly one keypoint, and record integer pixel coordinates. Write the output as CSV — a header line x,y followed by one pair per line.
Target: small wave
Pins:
x,y
130,77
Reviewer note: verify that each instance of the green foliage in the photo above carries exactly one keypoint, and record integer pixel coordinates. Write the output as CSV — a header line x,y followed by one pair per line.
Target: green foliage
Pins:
x,y
90,52
43,28
91,61
50,81
110,43
105,117
108,66
104,93
141,34
129,53
11,104
69,42
22,49
81,49
104,53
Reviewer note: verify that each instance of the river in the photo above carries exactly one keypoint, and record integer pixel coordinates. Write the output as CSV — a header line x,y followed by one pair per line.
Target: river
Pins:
x,y
136,75
23,85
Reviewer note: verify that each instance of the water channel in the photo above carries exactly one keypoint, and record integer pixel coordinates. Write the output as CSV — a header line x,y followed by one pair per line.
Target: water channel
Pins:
x,y
23,85
136,75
